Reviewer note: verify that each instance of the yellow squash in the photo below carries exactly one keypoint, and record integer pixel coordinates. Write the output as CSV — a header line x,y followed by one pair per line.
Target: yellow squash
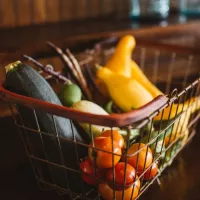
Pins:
x,y
126,93
180,126
190,107
120,61
176,109
138,75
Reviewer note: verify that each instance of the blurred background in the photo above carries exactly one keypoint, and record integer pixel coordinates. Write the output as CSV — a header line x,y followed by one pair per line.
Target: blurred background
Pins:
x,y
15,13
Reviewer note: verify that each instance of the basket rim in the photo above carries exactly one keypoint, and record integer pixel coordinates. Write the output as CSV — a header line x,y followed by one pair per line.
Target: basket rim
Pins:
x,y
112,120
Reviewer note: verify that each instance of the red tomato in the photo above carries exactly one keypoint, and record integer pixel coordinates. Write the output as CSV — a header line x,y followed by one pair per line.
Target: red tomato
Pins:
x,y
104,159
107,192
119,176
88,174
116,136
138,160
151,172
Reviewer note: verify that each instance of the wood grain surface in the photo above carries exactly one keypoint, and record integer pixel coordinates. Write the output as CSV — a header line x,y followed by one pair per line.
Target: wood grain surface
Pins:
x,y
14,13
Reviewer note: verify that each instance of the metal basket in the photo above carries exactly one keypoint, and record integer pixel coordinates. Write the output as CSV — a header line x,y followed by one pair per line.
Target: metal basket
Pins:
x,y
161,65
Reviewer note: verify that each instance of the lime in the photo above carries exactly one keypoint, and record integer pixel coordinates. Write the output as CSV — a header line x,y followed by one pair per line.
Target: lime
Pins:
x,y
70,94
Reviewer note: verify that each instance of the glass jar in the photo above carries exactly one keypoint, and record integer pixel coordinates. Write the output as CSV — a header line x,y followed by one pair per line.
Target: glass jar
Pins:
x,y
150,9
190,7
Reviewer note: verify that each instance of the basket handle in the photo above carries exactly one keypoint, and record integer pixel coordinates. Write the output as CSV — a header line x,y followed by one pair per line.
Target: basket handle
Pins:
x,y
113,120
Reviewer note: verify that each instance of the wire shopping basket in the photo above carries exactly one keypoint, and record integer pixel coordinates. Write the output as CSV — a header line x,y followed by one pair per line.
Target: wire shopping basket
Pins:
x,y
51,157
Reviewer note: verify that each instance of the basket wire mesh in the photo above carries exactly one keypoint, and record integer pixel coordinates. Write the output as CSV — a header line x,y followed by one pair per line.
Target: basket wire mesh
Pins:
x,y
56,173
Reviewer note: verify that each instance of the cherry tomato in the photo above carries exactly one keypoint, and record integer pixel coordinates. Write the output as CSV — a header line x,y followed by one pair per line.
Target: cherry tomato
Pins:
x,y
119,176
104,159
116,136
144,155
88,174
151,172
107,192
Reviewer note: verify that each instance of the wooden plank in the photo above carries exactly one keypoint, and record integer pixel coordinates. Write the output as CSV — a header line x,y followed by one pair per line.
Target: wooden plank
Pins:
x,y
23,12
107,7
66,10
8,14
119,7
95,8
81,9
126,7
52,10
38,11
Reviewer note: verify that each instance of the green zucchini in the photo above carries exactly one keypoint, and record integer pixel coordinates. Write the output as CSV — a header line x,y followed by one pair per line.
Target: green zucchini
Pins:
x,y
24,80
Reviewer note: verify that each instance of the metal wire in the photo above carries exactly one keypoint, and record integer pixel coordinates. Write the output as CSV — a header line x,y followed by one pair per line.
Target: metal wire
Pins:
x,y
43,146
170,72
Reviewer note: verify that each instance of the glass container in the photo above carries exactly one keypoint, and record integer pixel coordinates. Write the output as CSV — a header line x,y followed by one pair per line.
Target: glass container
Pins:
x,y
189,7
150,9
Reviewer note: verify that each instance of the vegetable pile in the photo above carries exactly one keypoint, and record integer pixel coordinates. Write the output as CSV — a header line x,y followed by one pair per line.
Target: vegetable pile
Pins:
x,y
116,159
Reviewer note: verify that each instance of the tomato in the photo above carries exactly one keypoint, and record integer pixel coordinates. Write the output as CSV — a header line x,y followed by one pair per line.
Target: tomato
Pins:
x,y
144,155
151,172
116,136
104,159
107,192
88,174
119,176
170,138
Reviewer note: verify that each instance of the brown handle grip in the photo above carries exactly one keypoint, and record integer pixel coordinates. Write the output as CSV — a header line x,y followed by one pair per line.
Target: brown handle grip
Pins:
x,y
113,120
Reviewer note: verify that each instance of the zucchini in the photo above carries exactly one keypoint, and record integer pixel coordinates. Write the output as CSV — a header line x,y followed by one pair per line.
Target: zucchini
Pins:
x,y
24,80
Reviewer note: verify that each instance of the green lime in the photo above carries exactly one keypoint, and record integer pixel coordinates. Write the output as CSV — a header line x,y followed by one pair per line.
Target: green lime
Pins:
x,y
70,94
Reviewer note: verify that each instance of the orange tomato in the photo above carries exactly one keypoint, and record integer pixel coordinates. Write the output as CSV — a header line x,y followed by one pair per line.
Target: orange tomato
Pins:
x,y
170,138
130,175
138,160
151,172
116,136
107,192
105,158
88,172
